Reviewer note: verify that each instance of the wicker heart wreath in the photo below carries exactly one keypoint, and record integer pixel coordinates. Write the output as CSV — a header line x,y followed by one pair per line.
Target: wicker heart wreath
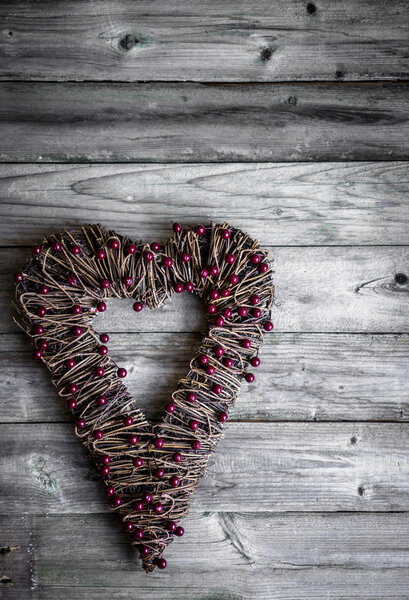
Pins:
x,y
149,469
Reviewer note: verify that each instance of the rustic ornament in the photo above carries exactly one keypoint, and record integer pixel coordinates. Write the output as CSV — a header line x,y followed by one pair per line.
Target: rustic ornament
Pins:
x,y
149,469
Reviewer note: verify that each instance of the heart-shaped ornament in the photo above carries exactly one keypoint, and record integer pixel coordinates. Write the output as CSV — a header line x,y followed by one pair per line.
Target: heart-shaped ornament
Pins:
x,y
149,469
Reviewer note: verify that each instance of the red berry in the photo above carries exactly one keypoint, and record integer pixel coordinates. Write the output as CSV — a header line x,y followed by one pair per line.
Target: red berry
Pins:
x,y
138,306
174,481
72,280
159,473
230,258
128,281
148,256
37,250
186,257
41,311
104,337
76,309
219,321
228,362
122,373
137,462
130,249
254,299
210,370
105,284
43,344
177,457
70,363
192,397
113,244
268,326
128,421
263,267
219,351
179,531
233,279
255,259
98,434
106,459
168,262
133,440
102,350
249,377
170,408
72,388
138,533
110,490
214,271
214,294
72,404
255,361
203,359
129,526
101,307
158,508
204,273
117,501
81,423
158,443
102,400
155,246
75,250
177,228
38,354
217,389
179,287
161,563
227,313
189,287
101,254
18,277
223,416
225,292
172,526
211,309
225,233
200,230
195,445
99,371
44,290
144,550
39,330
139,506
56,246
147,498
256,313
193,425
246,344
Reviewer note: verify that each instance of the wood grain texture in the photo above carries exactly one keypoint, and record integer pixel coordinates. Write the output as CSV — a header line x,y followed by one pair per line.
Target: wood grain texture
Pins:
x,y
204,41
258,467
302,377
281,204
190,122
222,555
322,289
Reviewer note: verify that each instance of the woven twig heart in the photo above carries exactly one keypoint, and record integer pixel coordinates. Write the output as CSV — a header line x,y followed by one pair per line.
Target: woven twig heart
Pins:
x,y
149,469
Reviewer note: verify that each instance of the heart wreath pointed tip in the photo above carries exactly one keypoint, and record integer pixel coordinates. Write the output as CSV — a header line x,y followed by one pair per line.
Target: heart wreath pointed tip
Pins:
x,y
149,470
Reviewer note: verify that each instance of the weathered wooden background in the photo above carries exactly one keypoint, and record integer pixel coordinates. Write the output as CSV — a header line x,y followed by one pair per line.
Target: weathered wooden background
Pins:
x,y
290,119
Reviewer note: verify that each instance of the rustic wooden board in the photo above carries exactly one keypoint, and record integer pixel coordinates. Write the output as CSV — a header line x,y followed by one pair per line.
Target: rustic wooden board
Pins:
x,y
269,555
323,289
258,467
190,122
281,204
229,41
310,377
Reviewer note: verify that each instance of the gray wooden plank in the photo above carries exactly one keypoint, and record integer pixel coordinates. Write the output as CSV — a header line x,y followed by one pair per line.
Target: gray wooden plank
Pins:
x,y
302,377
230,41
282,204
257,467
322,289
190,122
264,556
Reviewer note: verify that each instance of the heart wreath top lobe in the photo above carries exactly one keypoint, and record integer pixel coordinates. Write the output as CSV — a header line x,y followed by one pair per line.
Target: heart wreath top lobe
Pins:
x,y
149,469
